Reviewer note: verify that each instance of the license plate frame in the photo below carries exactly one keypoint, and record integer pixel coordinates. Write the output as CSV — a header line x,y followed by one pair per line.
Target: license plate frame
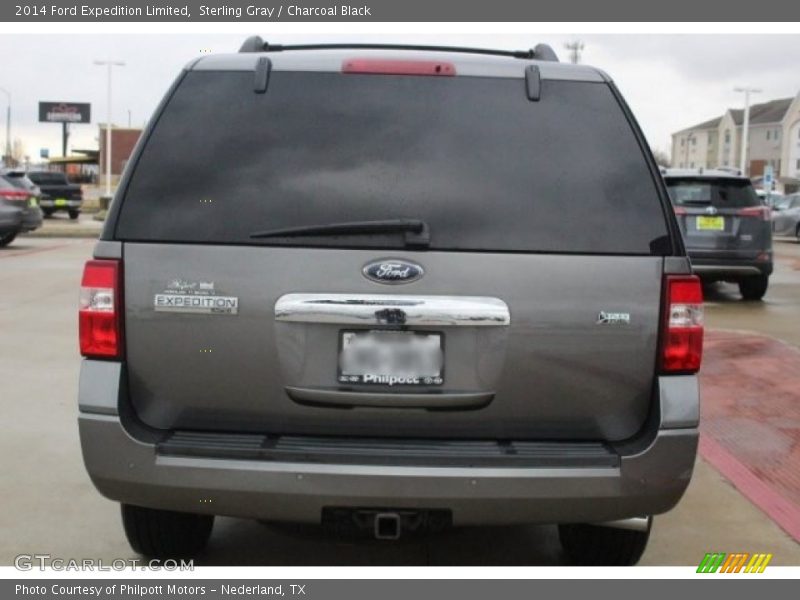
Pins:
x,y
710,223
362,379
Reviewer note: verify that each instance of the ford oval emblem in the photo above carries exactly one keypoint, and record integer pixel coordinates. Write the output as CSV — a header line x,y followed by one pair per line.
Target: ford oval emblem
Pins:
x,y
392,271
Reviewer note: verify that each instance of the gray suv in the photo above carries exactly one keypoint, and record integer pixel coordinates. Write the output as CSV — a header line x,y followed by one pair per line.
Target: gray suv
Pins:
x,y
727,228
384,300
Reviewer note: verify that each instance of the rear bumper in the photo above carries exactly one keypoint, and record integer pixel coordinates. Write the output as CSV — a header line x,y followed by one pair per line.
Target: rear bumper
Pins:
x,y
32,219
70,204
649,478
731,265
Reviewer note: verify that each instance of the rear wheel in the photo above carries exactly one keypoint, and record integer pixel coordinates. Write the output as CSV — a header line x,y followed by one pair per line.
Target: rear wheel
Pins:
x,y
595,545
165,534
74,214
47,212
754,288
7,238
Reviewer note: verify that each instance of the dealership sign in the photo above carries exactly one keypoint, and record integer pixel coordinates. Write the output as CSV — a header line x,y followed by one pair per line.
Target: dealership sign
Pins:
x,y
64,112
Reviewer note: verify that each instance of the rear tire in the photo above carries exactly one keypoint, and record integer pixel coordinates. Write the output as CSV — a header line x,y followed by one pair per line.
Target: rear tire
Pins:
x,y
74,214
47,212
595,545
165,534
7,238
754,288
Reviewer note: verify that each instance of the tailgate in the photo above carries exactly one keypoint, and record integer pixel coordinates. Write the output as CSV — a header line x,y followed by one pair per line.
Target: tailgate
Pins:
x,y
533,345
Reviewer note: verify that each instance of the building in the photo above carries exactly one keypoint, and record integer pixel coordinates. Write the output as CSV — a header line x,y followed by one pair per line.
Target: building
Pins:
x,y
123,140
773,139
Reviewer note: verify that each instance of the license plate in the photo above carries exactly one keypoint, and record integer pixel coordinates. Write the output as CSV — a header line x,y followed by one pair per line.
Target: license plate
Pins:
x,y
61,202
391,358
32,202
710,223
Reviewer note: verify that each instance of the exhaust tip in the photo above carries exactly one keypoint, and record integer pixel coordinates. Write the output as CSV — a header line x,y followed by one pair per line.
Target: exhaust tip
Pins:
x,y
387,526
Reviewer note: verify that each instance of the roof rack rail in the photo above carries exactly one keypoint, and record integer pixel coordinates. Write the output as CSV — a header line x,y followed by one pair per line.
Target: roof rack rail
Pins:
x,y
539,52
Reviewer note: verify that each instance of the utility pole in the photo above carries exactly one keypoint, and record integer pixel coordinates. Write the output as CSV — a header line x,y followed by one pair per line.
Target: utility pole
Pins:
x,y
745,124
575,48
109,64
8,123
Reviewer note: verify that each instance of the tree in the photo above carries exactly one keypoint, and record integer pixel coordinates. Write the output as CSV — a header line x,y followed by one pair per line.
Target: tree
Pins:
x,y
662,158
17,151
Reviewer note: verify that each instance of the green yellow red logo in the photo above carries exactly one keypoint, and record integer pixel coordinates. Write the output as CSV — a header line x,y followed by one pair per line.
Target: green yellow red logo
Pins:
x,y
738,562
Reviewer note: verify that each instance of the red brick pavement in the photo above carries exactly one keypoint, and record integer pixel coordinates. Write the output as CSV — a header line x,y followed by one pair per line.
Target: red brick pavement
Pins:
x,y
750,425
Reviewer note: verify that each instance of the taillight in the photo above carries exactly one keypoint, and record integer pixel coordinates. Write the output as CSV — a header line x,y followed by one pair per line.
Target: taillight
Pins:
x,y
679,210
100,311
682,334
18,195
399,67
760,212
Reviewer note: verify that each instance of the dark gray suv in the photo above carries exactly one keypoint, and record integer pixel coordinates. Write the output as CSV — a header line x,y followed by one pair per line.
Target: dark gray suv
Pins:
x,y
384,300
727,229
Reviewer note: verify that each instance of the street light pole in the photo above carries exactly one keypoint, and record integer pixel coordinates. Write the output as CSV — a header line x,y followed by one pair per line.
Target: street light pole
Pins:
x,y
8,122
109,64
745,124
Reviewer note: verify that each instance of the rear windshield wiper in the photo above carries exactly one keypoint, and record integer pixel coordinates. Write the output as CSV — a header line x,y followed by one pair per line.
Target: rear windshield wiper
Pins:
x,y
417,233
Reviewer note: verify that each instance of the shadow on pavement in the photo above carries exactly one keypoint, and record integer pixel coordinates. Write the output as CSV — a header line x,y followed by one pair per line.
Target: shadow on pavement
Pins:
x,y
242,542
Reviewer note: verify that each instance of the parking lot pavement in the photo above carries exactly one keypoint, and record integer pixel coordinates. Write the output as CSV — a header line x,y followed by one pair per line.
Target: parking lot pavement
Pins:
x,y
50,506
60,225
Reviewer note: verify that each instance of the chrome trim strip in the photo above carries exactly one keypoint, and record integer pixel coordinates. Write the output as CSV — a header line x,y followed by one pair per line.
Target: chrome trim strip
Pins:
x,y
711,269
382,309
389,399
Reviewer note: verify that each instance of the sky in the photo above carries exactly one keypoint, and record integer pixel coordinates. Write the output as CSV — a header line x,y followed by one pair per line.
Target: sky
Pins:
x,y
670,81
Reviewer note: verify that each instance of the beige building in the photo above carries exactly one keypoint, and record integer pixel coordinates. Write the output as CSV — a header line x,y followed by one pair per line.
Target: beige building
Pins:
x,y
773,139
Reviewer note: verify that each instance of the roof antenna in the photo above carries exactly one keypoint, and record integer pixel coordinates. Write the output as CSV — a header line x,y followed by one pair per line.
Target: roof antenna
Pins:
x,y
253,44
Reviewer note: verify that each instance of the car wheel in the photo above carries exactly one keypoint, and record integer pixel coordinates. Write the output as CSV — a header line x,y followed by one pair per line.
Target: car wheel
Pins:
x,y
754,288
797,233
7,238
601,546
47,212
74,214
165,534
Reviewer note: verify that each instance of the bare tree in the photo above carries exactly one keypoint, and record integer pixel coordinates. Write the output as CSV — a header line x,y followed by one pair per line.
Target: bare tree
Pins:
x,y
662,158
17,151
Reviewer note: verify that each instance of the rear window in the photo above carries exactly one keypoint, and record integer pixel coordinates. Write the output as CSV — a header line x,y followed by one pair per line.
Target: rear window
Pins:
x,y
45,178
18,180
484,167
719,193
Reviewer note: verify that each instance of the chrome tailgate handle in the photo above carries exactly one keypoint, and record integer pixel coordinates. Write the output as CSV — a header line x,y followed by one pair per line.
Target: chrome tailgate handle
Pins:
x,y
388,309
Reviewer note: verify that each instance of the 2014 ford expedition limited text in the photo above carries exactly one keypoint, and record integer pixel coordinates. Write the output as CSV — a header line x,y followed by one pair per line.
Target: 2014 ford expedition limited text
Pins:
x,y
397,289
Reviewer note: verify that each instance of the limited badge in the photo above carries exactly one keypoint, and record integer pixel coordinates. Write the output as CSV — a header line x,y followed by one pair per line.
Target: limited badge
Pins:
x,y
613,318
195,297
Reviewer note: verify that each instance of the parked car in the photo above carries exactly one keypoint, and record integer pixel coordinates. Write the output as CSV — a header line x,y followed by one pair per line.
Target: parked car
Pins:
x,y
770,199
57,193
401,309
726,228
21,180
786,216
19,212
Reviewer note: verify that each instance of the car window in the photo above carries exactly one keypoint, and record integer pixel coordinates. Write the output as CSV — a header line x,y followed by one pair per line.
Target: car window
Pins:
x,y
717,192
18,181
483,166
5,184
